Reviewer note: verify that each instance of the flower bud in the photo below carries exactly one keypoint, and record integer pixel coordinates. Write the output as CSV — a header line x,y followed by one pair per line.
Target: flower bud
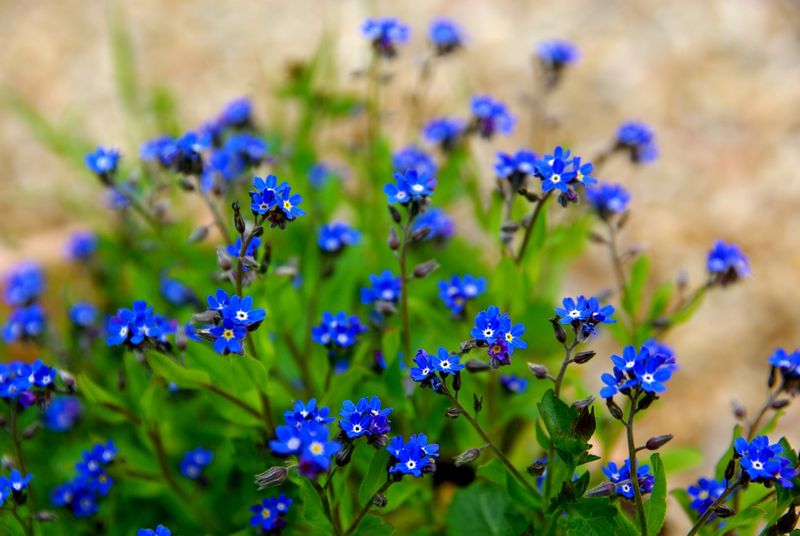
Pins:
x,y
645,402
395,214
656,442
560,334
457,381
533,197
771,378
724,511
67,379
583,357
238,221
477,402
31,430
224,260
380,500
787,521
468,456
614,409
729,469
424,269
540,371
739,410
537,467
477,365
345,453
509,227
420,234
199,234
781,403
273,476
452,413
257,231
206,317
583,403
467,346
44,516
378,441
606,489
393,241
430,467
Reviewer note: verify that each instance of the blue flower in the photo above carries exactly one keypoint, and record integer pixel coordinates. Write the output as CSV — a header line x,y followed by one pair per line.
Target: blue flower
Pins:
x,y
237,113
598,314
195,461
445,362
639,140
175,292
608,199
220,299
787,363
266,194
646,370
554,174
583,172
318,175
456,292
163,149
335,236
103,162
629,359
622,477
513,384
236,248
385,34
557,53
62,413
270,515
446,36
704,493
763,462
413,457
652,375
24,283
573,310
443,131
82,246
307,412
439,224
490,117
517,166
133,327
366,418
340,330
726,263
25,323
160,530
247,149
409,187
490,324
424,372
188,157
384,287
17,482
228,337
288,203
241,312
412,157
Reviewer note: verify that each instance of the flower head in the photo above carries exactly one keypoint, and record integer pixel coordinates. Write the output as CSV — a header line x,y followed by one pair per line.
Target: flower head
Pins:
x,y
726,263
645,370
270,514
411,458
457,291
62,413
366,418
334,237
763,461
608,199
440,226
103,162
491,116
444,132
639,140
25,323
446,36
513,384
228,337
704,493
384,287
412,157
339,331
237,113
23,284
81,246
622,477
194,461
160,530
556,54
305,435
385,34
408,187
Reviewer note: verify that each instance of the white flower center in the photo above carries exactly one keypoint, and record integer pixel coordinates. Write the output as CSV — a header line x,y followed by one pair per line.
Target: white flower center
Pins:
x,y
357,428
387,294
758,465
241,315
293,443
411,464
445,364
556,178
418,187
426,371
647,378
488,332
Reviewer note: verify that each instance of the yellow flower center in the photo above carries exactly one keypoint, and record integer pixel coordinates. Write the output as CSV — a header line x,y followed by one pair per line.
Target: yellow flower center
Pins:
x,y
265,513
316,448
497,348
509,337
227,334
287,205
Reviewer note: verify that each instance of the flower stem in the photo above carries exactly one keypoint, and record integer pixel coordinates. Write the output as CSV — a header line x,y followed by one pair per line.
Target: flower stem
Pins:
x,y
531,224
710,510
218,221
567,360
476,425
15,439
637,491
326,506
365,508
232,398
403,259
619,274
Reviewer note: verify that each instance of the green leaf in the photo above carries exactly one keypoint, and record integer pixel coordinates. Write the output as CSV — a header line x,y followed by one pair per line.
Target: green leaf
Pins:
x,y
592,516
747,517
661,299
656,507
372,525
374,478
681,459
483,509
173,372
559,419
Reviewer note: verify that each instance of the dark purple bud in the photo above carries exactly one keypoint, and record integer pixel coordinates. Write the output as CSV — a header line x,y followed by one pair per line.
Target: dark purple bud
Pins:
x,y
781,403
730,468
206,317
724,511
787,521
424,269
561,335
257,231
586,423
537,467
224,260
393,241
385,308
199,234
477,402
656,442
509,227
378,441
645,402
772,377
26,399
739,411
606,489
452,413
614,409
395,214
238,221
540,371
468,456
380,500
273,476
430,467
345,453
583,357
457,381
623,219
533,197
467,346
420,234
31,430
477,365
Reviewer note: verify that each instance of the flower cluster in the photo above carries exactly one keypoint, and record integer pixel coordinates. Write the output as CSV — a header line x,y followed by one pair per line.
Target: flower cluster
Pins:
x,y
103,162
645,370
385,287
515,167
234,317
788,364
385,34
335,236
270,515
337,331
428,365
139,327
23,286
446,36
514,384
498,332
439,225
704,493
195,461
412,157
621,476
409,187
275,202
584,314
556,53
160,530
366,418
561,171
638,140
82,493
83,315
444,131
457,291
726,263
490,117
62,413
414,457
305,435
26,383
608,199
81,246
16,485
763,463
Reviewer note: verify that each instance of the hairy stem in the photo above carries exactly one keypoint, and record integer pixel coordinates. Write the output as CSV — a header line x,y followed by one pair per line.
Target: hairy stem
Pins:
x,y
637,491
564,364
531,224
326,506
365,508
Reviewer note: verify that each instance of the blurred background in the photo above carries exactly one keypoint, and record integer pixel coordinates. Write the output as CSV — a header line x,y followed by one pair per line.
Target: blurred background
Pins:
x,y
719,81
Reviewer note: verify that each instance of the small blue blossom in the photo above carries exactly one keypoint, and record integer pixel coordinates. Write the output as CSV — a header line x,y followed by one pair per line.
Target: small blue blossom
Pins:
x,y
175,292
133,327
103,162
81,246
385,34
162,149
270,515
583,172
195,461
218,301
787,363
763,462
23,284
18,482
490,324
408,187
446,363
622,477
573,310
513,383
413,457
645,370
247,149
62,413
557,53
704,493
24,323
501,335
608,199
491,116
160,530
652,375
412,157
188,153
305,435
288,203
366,418
242,313
457,291
424,372
228,337
440,226
726,263
237,113
266,194
555,174
639,140
384,287
334,237
444,132
318,175
517,166
446,36
340,331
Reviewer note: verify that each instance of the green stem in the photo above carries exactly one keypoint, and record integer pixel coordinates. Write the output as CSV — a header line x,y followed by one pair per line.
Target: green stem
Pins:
x,y
637,491
326,506
231,398
218,220
619,274
15,438
133,418
402,257
476,425
567,360
366,507
27,526
531,224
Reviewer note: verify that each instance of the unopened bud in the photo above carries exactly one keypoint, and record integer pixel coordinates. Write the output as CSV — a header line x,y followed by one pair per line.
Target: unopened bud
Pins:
x,y
586,424
561,335
787,521
645,402
249,262
467,346
477,365
420,234
623,219
452,413
206,317
224,260
772,377
724,511
729,469
257,231
380,500
477,402
45,516
529,195
345,453
273,476
430,467
583,357
393,241
509,227
656,442
395,214
199,234
67,379
468,456
31,430
385,308
779,404
378,441
238,221
540,371
537,467
614,409
739,410
457,381
424,269
606,489
583,403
